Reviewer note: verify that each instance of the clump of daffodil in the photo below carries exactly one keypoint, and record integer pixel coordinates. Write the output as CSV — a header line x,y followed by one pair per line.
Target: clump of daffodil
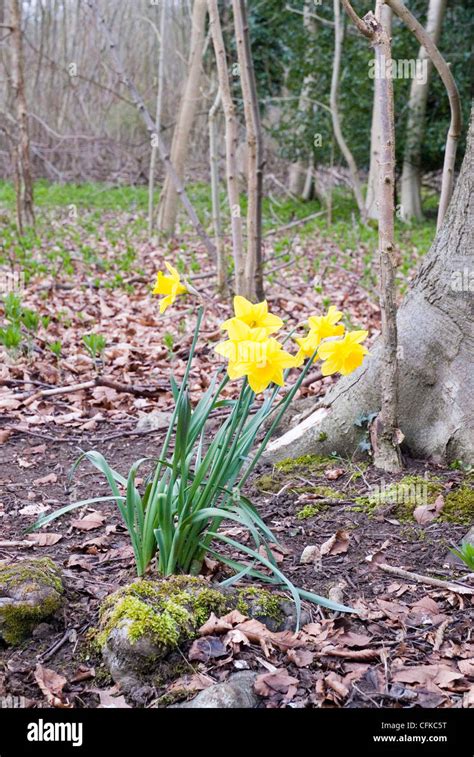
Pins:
x,y
343,355
320,327
170,286
254,316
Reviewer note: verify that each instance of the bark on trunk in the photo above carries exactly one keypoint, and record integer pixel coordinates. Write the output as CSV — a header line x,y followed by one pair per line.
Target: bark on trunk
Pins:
x,y
411,175
159,108
301,171
216,211
21,151
179,148
333,100
436,344
384,14
231,138
384,431
253,278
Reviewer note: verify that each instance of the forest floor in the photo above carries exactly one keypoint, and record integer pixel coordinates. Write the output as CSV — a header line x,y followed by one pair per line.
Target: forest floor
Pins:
x,y
411,643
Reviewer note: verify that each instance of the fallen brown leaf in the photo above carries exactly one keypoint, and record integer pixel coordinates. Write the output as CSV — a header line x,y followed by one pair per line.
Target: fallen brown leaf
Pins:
x,y
425,514
302,658
51,684
214,625
441,675
207,648
109,699
281,682
90,521
334,473
337,544
44,539
51,478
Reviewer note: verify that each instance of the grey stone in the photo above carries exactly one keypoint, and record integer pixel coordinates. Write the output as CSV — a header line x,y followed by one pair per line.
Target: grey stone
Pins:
x,y
154,421
30,592
236,692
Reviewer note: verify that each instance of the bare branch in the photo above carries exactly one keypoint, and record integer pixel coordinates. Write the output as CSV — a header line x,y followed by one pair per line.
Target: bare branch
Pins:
x,y
454,101
361,25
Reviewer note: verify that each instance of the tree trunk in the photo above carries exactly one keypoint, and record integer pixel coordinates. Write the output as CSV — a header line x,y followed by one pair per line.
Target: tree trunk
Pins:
x,y
21,152
189,102
436,344
216,211
384,431
253,279
411,176
159,108
383,13
342,144
301,171
231,138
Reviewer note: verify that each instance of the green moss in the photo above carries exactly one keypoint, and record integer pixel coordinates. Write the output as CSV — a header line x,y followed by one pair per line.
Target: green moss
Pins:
x,y
18,619
459,506
309,511
412,491
259,603
307,463
40,569
404,496
167,611
267,483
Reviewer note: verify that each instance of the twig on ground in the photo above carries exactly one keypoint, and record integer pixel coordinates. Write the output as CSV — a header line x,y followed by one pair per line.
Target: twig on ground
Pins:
x,y
69,635
417,577
139,391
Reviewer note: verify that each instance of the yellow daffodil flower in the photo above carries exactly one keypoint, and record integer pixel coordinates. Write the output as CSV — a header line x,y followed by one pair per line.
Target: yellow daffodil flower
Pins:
x,y
255,316
323,326
307,346
239,333
320,327
170,286
263,362
343,355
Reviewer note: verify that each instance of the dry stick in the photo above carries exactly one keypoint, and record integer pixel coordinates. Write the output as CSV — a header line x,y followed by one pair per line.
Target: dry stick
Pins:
x,y
27,397
231,137
454,101
336,125
154,134
384,431
447,585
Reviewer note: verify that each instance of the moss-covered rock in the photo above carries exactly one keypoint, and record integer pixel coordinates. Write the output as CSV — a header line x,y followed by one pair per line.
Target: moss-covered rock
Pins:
x,y
262,605
30,592
142,625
